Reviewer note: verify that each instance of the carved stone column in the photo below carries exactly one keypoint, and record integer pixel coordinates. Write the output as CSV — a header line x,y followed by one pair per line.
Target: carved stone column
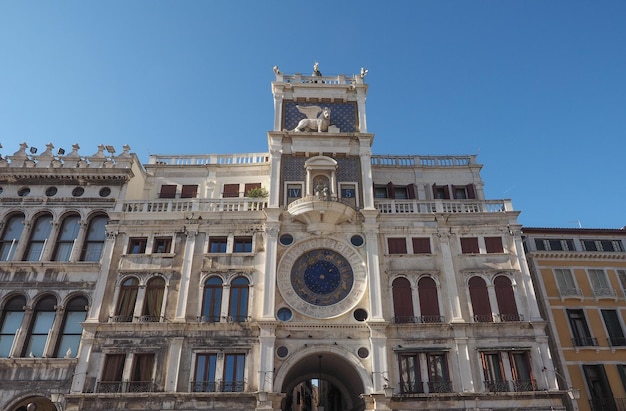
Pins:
x,y
449,277
373,264
269,282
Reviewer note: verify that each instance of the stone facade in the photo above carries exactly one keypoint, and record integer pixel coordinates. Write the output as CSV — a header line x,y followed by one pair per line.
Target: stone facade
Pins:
x,y
360,281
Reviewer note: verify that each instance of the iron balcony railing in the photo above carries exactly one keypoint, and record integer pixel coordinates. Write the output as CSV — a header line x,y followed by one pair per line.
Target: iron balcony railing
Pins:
x,y
608,404
510,386
422,319
585,342
426,387
125,386
218,386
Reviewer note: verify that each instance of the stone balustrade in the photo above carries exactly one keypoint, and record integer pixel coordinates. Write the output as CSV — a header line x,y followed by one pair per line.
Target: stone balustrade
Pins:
x,y
200,205
387,206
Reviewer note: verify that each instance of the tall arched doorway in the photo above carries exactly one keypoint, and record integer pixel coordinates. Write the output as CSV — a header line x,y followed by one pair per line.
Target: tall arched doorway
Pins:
x,y
322,381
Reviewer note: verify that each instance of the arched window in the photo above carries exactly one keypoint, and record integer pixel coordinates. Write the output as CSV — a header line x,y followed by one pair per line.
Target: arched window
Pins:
x,y
43,318
66,238
71,330
127,300
11,236
480,300
11,321
38,238
238,310
153,301
212,300
429,301
94,241
506,299
402,301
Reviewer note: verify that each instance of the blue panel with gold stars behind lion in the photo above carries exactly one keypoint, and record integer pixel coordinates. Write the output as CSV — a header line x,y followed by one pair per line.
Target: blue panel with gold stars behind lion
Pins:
x,y
342,115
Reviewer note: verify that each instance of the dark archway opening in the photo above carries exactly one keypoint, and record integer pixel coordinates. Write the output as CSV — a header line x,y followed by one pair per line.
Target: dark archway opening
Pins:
x,y
323,382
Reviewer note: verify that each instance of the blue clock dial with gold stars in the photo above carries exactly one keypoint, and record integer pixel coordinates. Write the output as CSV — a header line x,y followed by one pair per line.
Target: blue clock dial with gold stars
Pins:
x,y
322,277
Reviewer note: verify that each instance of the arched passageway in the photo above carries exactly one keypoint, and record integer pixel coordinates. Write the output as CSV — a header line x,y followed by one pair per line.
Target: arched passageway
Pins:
x,y
322,381
36,403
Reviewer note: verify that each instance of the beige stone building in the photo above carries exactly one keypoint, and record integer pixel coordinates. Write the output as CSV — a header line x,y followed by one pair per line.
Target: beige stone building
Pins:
x,y
314,276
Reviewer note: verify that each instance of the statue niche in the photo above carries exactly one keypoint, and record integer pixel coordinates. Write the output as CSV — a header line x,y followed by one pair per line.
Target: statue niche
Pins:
x,y
317,118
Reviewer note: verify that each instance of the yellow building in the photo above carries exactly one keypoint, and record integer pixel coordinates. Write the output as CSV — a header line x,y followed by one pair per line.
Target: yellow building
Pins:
x,y
580,277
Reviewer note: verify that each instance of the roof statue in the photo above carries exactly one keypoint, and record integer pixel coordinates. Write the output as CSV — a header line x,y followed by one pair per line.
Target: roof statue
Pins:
x,y
317,118
316,70
364,72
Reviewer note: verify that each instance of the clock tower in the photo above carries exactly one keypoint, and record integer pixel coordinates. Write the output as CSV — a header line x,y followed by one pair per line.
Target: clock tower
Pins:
x,y
322,248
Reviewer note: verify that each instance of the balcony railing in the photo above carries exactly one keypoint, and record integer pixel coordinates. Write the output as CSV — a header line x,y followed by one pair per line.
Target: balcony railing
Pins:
x,y
202,159
604,293
585,342
617,341
125,386
218,386
389,206
510,386
510,317
422,319
138,319
427,387
208,205
571,292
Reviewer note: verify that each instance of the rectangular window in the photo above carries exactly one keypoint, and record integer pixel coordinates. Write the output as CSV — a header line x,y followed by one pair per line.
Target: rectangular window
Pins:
x,y
438,376
602,245
189,191
441,192
294,192
521,371
494,245
137,245
600,283
580,330
230,190
565,282
421,245
410,376
400,193
469,245
234,367
396,245
111,379
555,244
380,192
599,388
613,328
250,186
589,245
141,373
204,378
162,245
493,370
242,245
622,279
217,244
168,191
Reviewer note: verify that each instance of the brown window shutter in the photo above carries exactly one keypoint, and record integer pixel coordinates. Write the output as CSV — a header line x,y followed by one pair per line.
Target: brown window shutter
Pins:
x,y
168,191
469,245
410,191
479,298
446,191
493,244
397,245
429,302
421,245
402,301
189,191
505,297
231,190
249,187
391,192
471,191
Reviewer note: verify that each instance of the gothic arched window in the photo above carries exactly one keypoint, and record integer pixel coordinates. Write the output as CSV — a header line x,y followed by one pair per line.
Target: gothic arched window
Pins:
x,y
71,329
429,300
212,300
66,238
11,237
402,301
480,300
10,323
238,310
38,238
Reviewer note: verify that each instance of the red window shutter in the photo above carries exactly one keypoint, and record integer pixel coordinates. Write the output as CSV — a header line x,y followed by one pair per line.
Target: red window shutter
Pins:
x,y
421,245
231,190
402,300
506,298
397,245
189,191
469,245
480,299
493,244
471,192
429,302
168,191
410,191
391,192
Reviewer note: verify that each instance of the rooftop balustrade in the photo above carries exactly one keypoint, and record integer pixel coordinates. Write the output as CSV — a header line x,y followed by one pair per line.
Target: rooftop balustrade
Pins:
x,y
203,159
389,206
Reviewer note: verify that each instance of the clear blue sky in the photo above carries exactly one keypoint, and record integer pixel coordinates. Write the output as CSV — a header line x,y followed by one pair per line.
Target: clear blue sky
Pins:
x,y
537,88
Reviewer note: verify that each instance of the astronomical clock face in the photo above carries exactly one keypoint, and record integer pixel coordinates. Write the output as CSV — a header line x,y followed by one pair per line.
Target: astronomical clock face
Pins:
x,y
322,278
